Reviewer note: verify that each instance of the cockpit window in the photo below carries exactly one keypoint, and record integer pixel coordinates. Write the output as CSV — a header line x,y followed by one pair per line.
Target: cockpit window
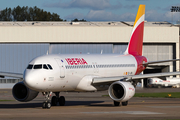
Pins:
x,y
49,66
39,66
29,66
45,67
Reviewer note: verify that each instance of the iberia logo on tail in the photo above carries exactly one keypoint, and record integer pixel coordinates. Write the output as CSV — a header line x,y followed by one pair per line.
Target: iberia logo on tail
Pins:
x,y
136,40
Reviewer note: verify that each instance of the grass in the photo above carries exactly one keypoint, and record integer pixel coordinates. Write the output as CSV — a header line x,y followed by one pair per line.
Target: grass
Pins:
x,y
159,95
5,100
156,95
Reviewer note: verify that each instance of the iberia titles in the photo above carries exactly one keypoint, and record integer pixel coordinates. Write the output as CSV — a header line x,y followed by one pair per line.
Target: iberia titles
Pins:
x,y
76,61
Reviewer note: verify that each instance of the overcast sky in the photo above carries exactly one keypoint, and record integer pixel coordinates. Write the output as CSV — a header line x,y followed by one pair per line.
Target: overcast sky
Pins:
x,y
102,10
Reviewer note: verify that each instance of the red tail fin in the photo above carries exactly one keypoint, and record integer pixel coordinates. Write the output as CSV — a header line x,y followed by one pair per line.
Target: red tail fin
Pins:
x,y
136,40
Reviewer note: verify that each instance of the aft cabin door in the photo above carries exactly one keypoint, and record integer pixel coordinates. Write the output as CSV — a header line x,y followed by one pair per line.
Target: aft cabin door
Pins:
x,y
61,66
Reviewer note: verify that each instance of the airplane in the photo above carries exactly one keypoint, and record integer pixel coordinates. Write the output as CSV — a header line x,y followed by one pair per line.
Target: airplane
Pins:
x,y
158,82
117,73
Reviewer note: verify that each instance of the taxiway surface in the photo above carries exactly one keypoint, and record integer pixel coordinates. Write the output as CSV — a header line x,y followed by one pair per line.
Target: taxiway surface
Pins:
x,y
91,106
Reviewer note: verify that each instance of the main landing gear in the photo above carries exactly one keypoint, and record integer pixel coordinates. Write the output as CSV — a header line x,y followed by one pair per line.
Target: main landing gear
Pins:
x,y
123,103
54,101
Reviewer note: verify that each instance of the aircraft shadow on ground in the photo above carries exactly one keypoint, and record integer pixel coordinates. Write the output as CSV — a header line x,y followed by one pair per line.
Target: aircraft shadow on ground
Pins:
x,y
87,103
75,103
36,105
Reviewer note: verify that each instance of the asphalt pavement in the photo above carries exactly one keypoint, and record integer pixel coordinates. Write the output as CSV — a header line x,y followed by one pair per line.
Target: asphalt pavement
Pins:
x,y
91,106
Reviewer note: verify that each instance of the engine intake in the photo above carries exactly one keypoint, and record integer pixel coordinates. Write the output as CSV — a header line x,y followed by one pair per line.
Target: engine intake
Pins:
x,y
121,91
23,93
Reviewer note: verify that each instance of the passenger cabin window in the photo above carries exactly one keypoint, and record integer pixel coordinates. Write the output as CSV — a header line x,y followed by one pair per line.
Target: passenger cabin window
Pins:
x,y
45,67
39,66
49,66
29,66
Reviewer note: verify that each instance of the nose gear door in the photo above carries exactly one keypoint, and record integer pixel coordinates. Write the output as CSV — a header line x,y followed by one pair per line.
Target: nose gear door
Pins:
x,y
61,66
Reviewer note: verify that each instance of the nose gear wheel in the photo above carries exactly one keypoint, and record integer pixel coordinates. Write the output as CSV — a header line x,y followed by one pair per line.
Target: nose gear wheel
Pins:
x,y
46,103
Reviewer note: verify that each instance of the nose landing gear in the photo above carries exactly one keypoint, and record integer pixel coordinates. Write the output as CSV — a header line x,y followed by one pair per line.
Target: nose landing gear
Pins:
x,y
46,103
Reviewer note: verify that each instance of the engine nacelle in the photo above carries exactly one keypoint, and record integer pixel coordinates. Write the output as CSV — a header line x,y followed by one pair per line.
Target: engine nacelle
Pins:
x,y
121,91
23,93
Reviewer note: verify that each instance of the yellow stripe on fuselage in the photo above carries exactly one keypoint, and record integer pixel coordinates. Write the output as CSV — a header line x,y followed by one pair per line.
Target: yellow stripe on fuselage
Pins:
x,y
141,11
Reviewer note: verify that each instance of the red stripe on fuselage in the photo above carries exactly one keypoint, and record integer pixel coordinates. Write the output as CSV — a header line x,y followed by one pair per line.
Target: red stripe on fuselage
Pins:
x,y
136,42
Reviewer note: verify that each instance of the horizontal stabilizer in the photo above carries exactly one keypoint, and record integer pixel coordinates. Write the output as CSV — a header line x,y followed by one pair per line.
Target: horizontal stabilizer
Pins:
x,y
162,61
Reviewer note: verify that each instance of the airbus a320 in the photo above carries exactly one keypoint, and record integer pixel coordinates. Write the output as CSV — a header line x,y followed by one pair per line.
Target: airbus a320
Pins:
x,y
119,74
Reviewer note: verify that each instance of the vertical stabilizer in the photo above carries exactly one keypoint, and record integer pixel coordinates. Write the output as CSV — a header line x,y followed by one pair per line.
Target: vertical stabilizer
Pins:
x,y
136,40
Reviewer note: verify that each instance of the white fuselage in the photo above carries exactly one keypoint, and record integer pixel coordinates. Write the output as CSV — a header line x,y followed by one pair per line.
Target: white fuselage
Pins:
x,y
70,72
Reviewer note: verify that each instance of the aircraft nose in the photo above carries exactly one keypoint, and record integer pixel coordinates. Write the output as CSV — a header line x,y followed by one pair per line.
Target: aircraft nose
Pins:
x,y
30,80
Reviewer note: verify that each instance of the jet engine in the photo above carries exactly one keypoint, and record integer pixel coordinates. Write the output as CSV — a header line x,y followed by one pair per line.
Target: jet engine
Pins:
x,y
121,91
23,93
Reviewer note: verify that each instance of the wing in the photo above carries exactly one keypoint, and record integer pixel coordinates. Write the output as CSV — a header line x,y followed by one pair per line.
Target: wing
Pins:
x,y
8,74
97,80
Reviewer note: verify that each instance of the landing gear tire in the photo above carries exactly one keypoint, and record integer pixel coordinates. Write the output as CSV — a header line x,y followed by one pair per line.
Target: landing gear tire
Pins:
x,y
116,103
125,103
46,105
62,101
54,101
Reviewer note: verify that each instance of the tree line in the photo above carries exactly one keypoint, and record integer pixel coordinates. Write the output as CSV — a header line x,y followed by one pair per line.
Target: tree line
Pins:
x,y
30,14
27,14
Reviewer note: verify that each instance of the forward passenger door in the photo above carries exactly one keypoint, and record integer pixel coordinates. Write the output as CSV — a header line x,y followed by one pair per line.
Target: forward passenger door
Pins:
x,y
61,66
